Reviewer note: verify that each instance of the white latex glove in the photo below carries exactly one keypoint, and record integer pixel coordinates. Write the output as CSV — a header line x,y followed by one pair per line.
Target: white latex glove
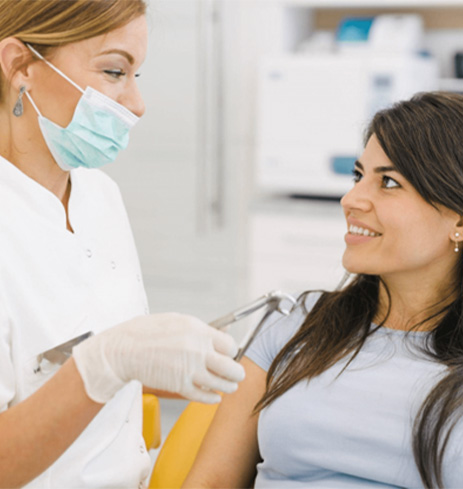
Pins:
x,y
170,352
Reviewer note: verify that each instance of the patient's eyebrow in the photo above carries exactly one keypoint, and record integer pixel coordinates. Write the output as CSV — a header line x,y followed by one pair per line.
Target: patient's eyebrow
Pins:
x,y
377,169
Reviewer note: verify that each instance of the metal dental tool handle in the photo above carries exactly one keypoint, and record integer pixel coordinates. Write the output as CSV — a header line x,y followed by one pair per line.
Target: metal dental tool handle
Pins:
x,y
251,336
276,298
274,301
59,354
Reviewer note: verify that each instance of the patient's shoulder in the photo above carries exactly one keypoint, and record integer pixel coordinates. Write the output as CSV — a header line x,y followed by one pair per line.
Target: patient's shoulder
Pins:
x,y
279,329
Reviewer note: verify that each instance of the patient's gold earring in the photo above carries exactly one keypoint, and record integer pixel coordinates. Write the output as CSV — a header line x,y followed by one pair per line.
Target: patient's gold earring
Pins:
x,y
18,109
457,246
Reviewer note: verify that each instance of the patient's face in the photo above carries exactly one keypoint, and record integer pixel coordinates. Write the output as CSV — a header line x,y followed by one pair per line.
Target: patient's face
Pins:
x,y
392,230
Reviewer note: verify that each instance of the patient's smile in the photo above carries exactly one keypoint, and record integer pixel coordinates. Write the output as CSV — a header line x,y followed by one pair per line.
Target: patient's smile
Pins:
x,y
359,231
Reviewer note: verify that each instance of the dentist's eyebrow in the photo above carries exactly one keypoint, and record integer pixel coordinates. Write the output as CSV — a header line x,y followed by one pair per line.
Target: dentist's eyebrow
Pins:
x,y
378,169
121,52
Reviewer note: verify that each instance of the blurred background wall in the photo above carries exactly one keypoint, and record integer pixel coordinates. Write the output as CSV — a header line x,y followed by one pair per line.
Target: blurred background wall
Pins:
x,y
255,113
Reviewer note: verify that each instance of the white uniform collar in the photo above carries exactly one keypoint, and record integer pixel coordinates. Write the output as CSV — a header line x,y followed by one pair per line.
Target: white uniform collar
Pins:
x,y
32,194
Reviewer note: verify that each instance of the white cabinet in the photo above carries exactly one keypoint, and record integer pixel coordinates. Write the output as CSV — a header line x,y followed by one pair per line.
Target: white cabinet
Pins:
x,y
443,22
296,245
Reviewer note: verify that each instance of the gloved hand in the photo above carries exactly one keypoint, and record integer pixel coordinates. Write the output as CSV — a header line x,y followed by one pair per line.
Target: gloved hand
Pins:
x,y
170,352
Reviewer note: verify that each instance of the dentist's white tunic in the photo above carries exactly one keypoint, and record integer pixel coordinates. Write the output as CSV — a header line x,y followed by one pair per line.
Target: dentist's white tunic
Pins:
x,y
55,285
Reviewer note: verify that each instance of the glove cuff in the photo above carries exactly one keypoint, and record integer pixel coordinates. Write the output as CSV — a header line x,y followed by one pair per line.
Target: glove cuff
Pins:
x,y
100,381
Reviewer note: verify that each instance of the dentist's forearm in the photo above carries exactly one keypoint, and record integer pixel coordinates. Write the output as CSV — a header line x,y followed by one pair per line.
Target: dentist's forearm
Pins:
x,y
37,431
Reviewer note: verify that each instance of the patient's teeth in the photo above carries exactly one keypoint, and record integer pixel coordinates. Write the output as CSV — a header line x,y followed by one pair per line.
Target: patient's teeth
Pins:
x,y
361,231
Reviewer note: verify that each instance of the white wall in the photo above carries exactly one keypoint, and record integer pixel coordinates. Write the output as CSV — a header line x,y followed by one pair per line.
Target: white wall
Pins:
x,y
192,258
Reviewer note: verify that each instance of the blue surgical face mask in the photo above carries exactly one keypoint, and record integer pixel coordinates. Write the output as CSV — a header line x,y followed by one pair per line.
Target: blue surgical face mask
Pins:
x,y
99,129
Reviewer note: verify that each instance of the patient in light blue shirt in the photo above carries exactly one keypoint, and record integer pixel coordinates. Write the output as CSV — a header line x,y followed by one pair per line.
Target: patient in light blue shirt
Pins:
x,y
351,431
362,387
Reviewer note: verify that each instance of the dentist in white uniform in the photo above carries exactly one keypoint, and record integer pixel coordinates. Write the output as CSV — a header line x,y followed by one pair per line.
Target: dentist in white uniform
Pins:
x,y
68,263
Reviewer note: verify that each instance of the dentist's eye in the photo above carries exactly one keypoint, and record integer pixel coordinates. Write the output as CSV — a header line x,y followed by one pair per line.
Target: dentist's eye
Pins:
x,y
115,73
389,182
357,176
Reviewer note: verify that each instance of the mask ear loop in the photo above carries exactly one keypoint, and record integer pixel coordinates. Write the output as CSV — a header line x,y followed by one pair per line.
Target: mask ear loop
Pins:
x,y
54,68
33,103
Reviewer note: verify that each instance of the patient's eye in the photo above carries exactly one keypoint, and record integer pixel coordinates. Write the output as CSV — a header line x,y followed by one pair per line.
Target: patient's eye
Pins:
x,y
357,176
389,182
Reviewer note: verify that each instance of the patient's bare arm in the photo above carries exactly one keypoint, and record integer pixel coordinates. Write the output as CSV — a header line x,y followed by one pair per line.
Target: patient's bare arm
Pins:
x,y
229,453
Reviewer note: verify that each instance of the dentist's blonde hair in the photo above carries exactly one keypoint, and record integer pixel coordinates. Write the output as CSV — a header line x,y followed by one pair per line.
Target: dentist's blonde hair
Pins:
x,y
48,24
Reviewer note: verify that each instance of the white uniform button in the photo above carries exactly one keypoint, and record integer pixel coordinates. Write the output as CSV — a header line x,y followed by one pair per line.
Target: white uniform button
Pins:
x,y
113,265
142,448
139,278
89,252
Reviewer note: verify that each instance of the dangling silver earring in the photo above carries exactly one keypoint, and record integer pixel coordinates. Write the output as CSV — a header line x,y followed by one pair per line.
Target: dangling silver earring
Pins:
x,y
18,109
457,246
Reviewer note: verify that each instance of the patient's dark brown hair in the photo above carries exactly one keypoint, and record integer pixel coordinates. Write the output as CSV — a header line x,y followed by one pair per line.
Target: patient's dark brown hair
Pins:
x,y
423,138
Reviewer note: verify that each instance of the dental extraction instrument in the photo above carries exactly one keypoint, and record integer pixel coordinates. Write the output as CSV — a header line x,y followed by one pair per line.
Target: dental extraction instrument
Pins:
x,y
274,301
59,354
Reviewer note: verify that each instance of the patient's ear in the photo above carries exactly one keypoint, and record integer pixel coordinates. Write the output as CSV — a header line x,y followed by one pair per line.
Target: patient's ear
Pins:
x,y
457,233
15,61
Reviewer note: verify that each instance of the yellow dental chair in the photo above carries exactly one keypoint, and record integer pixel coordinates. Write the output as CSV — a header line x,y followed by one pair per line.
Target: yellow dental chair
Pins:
x,y
179,451
151,421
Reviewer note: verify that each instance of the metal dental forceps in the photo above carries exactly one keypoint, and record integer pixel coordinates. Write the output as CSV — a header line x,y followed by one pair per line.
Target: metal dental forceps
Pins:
x,y
274,301
59,354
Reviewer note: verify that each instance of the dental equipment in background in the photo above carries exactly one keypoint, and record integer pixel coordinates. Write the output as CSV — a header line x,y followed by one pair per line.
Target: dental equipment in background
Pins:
x,y
274,301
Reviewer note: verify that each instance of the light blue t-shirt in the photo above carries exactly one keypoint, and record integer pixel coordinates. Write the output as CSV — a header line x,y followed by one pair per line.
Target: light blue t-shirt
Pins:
x,y
354,431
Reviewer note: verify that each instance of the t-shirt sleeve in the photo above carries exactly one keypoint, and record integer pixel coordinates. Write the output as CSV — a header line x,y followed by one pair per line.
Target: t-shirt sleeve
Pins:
x,y
7,377
277,331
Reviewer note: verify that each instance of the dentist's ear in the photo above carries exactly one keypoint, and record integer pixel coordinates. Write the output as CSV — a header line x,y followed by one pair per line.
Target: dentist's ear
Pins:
x,y
15,62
